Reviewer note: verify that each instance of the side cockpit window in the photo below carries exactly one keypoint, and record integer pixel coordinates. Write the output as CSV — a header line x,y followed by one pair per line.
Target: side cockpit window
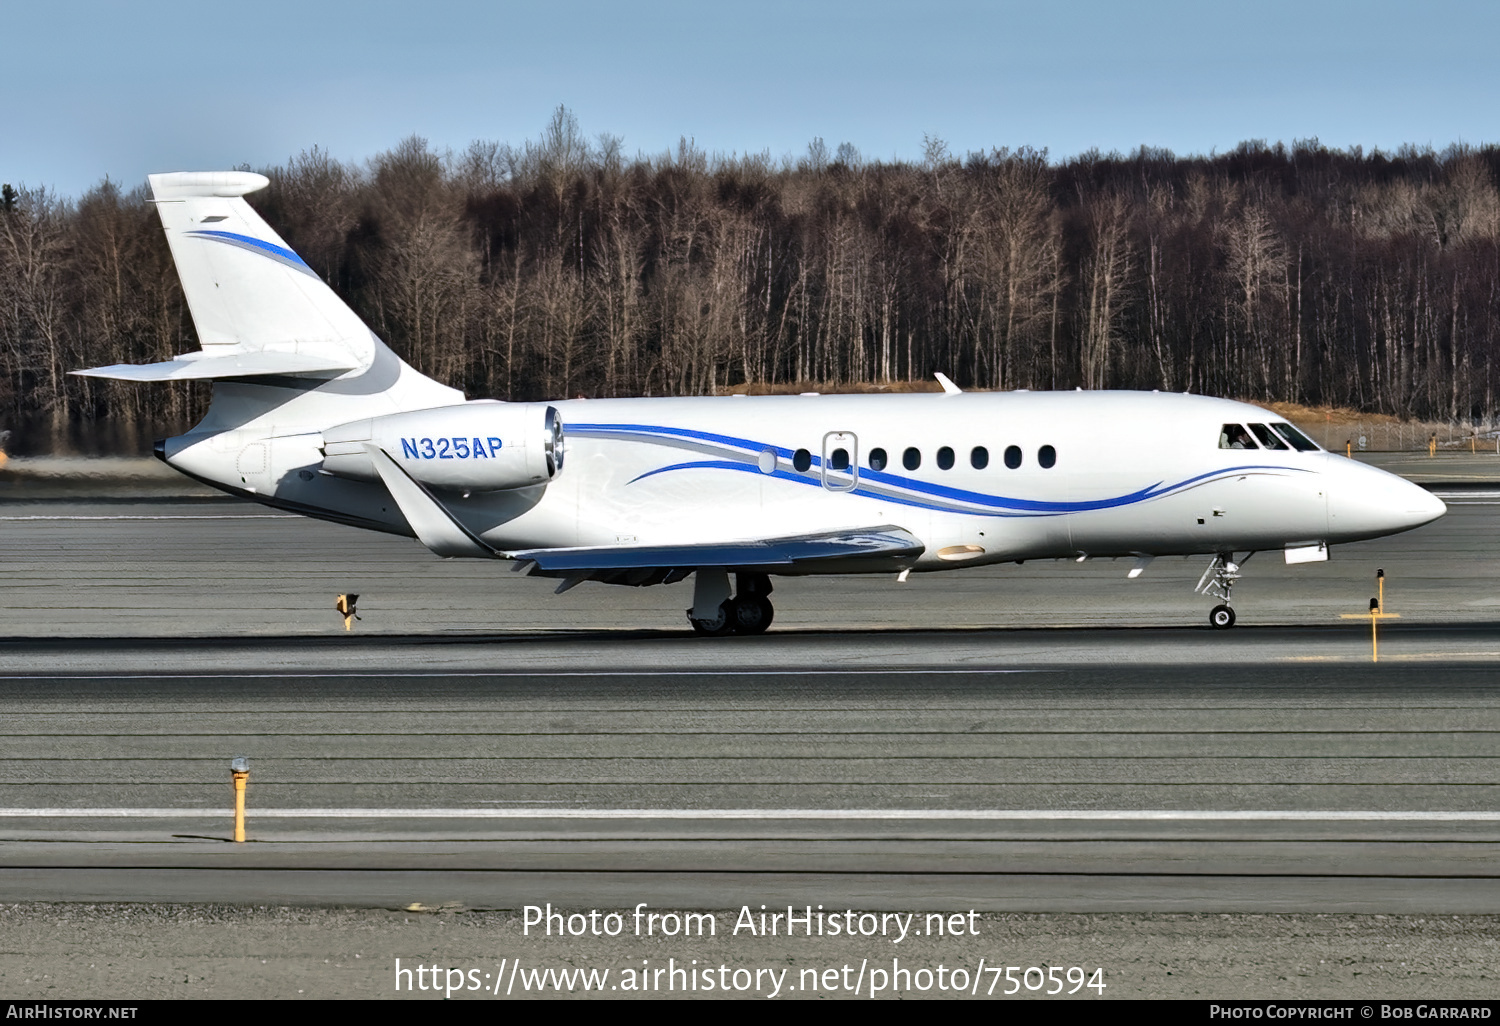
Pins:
x,y
1268,438
1234,436
1299,441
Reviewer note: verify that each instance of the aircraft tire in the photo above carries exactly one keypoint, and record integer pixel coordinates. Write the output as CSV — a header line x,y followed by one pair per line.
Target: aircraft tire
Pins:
x,y
720,625
751,614
1221,618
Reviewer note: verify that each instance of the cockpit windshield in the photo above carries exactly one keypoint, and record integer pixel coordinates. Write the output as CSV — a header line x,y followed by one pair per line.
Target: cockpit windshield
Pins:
x,y
1299,441
1234,436
1268,437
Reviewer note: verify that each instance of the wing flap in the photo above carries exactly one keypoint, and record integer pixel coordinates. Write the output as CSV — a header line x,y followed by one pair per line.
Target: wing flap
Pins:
x,y
885,541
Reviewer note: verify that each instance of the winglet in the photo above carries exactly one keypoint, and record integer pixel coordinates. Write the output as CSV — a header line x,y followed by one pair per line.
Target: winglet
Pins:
x,y
949,388
434,525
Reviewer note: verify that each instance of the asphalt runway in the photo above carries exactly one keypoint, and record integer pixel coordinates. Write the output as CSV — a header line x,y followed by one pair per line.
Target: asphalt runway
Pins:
x,y
1292,788
1041,738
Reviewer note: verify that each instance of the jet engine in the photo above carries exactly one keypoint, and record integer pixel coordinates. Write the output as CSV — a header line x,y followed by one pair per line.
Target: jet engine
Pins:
x,y
479,446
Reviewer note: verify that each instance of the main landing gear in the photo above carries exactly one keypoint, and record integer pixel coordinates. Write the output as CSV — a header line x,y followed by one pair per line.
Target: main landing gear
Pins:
x,y
1216,582
716,613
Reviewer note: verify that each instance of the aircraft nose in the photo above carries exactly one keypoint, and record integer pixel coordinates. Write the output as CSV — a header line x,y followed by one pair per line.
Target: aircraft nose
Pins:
x,y
1367,503
1425,507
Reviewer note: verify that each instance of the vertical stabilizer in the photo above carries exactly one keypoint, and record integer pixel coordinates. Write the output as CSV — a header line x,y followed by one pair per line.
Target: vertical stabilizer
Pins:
x,y
244,284
287,353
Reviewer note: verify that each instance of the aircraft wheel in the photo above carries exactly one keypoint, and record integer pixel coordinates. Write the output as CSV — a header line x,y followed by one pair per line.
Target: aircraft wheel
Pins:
x,y
751,614
719,625
1221,618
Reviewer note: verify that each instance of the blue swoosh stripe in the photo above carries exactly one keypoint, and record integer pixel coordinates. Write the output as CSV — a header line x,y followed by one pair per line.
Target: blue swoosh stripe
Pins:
x,y
705,465
280,253
706,436
1053,510
995,502
803,479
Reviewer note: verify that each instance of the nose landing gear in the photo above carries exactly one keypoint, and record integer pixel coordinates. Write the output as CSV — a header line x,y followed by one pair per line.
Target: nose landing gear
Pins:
x,y
748,611
1216,582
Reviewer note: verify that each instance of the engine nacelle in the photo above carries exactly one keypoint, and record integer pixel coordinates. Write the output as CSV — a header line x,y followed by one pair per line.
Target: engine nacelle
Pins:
x,y
481,446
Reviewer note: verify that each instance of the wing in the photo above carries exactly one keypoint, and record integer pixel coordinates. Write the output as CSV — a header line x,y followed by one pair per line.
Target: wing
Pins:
x,y
868,548
873,548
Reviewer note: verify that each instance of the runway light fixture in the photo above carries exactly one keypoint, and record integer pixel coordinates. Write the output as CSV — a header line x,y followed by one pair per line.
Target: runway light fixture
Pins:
x,y
1376,614
345,605
239,770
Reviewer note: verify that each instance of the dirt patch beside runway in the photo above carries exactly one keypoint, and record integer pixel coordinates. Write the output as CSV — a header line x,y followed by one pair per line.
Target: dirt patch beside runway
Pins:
x,y
143,951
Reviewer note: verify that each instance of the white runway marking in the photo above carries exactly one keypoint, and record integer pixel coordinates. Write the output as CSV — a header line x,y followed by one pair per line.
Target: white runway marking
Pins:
x,y
169,516
542,672
1468,497
978,815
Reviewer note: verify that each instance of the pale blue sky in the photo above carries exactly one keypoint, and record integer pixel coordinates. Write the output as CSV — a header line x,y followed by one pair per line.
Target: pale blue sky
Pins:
x,y
89,88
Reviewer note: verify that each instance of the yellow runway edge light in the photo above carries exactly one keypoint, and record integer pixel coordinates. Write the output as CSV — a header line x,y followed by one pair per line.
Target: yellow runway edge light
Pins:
x,y
239,769
1376,614
345,605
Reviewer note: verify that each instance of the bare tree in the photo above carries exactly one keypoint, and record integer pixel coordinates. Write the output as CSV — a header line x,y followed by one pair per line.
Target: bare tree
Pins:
x,y
560,266
34,239
1257,266
1107,274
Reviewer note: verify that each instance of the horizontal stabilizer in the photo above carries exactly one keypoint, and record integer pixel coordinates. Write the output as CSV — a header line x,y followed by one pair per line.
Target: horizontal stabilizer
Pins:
x,y
182,185
771,552
205,365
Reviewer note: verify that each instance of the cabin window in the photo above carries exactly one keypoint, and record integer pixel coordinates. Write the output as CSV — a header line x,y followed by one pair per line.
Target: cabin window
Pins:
x,y
877,459
1047,457
911,459
979,457
1234,436
1299,441
1013,456
838,459
1268,437
945,458
802,459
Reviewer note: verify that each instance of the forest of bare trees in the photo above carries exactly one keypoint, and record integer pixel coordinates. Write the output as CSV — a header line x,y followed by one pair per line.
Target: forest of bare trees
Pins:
x,y
559,268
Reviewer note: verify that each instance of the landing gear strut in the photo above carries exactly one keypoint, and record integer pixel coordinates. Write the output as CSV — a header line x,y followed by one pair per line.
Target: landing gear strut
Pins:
x,y
748,611
1216,582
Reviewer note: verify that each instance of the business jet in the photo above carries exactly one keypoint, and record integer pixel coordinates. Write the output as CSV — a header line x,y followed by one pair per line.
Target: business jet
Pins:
x,y
312,413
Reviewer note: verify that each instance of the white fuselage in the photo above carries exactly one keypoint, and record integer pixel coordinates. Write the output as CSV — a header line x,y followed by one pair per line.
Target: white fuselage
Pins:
x,y
311,412
1132,473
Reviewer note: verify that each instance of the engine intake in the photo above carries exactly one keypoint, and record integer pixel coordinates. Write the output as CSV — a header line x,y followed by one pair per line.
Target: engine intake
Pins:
x,y
481,446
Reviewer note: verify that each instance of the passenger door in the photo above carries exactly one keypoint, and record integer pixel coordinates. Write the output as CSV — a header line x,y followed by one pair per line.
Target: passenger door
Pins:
x,y
840,461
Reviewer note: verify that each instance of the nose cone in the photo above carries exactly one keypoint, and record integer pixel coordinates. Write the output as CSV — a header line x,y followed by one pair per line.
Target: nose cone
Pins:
x,y
1426,507
1364,502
